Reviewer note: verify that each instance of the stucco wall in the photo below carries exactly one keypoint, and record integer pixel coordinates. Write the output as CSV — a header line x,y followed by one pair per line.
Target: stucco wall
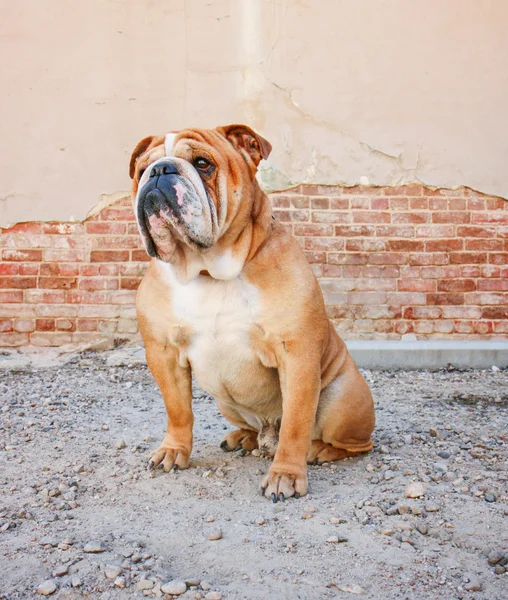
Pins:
x,y
348,91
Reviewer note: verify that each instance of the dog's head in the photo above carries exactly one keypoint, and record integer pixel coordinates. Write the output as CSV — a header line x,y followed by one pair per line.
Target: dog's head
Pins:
x,y
190,186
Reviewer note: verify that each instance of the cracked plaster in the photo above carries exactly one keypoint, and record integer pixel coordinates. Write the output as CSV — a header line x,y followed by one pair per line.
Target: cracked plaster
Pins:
x,y
347,92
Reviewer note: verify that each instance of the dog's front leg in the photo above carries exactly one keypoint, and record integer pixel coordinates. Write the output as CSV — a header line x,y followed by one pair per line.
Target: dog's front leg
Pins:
x,y
175,384
299,373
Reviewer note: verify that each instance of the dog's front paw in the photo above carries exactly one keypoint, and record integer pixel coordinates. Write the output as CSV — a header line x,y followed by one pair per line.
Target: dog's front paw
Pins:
x,y
166,457
284,481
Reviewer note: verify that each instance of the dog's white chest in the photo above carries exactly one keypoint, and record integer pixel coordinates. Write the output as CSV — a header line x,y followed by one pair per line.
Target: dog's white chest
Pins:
x,y
216,317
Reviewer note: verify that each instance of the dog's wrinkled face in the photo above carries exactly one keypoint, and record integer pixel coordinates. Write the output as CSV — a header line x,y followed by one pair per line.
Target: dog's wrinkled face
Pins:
x,y
187,186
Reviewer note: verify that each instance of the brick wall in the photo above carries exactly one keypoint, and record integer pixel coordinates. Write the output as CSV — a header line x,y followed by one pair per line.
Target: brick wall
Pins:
x,y
391,261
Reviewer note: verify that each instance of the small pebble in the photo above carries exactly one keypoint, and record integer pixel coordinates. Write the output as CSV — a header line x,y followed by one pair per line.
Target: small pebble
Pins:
x,y
213,596
120,445
389,474
215,534
490,498
473,584
495,556
94,547
143,584
415,490
60,571
112,571
47,588
260,521
431,507
120,582
174,588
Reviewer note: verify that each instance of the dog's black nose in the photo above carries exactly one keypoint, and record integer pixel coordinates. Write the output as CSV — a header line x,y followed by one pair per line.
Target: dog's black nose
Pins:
x,y
163,169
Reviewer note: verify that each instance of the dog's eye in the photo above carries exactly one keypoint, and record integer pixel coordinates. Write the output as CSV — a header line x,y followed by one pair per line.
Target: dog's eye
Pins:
x,y
203,165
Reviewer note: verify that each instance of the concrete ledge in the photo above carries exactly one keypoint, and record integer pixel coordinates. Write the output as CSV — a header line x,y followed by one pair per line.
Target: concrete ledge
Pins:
x,y
377,354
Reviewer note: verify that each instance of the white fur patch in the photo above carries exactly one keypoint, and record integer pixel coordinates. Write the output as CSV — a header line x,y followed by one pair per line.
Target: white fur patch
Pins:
x,y
224,266
169,143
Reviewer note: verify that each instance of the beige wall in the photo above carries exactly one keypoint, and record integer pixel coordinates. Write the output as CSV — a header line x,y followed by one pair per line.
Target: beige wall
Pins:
x,y
348,91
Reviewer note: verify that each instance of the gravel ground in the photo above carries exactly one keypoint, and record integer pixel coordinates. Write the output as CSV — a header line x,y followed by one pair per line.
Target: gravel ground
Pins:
x,y
80,516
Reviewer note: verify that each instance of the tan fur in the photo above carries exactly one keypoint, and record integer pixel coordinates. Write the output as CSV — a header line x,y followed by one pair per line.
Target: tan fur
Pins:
x,y
290,375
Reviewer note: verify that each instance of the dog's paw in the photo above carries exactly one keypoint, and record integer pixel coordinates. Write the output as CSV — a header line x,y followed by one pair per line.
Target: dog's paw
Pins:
x,y
284,481
240,439
166,457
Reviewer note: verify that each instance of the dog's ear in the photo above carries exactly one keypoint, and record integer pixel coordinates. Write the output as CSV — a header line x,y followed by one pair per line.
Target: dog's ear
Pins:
x,y
138,151
244,139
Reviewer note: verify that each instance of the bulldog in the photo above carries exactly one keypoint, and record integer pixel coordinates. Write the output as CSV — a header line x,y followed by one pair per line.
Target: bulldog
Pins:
x,y
230,297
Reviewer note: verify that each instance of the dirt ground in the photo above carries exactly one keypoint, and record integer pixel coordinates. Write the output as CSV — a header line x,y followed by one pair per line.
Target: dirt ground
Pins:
x,y
81,514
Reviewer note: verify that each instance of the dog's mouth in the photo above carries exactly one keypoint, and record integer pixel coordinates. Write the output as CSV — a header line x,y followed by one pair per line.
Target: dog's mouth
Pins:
x,y
172,209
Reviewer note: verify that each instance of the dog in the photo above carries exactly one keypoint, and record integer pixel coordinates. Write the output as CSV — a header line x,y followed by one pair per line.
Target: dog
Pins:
x,y
230,297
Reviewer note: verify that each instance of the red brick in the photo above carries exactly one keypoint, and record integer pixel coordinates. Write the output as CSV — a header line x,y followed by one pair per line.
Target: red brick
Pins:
x,y
469,271
411,217
57,283
85,297
98,283
122,297
115,242
451,217
358,202
6,325
462,258
418,203
29,227
22,255
311,230
316,257
13,339
130,283
87,324
43,297
493,217
110,255
496,204
399,203
65,325
326,244
371,216
387,258
456,285
493,285
9,268
476,232
11,296
21,283
339,203
379,203
416,285
326,216
365,245
435,231
29,268
390,272
444,245
140,256
299,202
461,312
280,201
63,228
405,298
321,203
350,270
354,230
45,324
495,312
486,245
405,246
439,299
335,258
443,271
498,259
411,189
64,255
457,204
359,190
438,203
101,227
423,312
332,271
117,214
396,231
476,204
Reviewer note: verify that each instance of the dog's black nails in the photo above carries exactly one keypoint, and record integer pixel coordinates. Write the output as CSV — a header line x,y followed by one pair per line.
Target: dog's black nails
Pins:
x,y
263,490
297,495
281,497
224,446
274,498
314,462
160,466
151,465
239,447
